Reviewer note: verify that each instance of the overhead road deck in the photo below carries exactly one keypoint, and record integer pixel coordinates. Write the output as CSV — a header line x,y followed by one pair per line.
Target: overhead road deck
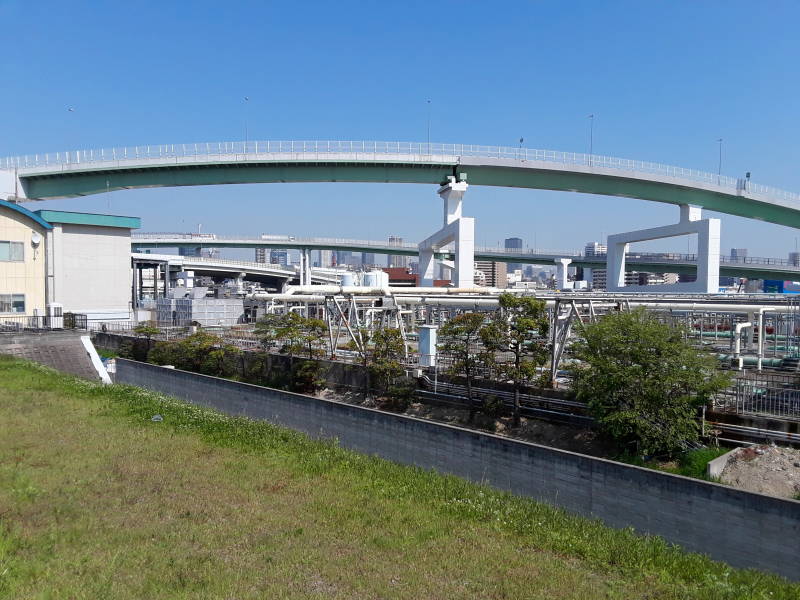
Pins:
x,y
70,174
219,267
751,267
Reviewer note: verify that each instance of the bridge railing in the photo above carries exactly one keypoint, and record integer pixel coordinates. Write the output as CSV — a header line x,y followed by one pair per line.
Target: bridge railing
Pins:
x,y
521,252
412,151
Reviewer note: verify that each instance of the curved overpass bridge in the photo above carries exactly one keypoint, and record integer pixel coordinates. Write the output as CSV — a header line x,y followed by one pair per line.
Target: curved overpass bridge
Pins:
x,y
751,267
70,174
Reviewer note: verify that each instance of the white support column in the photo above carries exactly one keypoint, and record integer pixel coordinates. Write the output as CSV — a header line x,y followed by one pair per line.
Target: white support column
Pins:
x,y
305,266
708,242
464,275
427,267
452,193
457,230
562,267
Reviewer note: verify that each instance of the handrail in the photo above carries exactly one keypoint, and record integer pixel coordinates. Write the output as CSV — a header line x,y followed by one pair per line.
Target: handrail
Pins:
x,y
521,252
412,151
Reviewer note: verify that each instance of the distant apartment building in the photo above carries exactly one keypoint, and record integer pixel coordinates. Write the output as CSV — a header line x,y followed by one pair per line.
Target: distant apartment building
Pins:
x,y
738,253
597,278
279,257
322,258
491,274
397,260
261,255
794,259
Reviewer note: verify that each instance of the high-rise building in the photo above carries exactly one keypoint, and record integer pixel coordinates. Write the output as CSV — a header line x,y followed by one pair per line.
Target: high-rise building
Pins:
x,y
261,255
368,259
738,253
324,258
344,257
397,260
279,257
514,243
597,278
491,274
794,259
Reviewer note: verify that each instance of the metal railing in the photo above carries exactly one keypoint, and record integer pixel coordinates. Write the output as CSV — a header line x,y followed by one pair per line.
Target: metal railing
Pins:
x,y
22,323
375,150
764,394
381,245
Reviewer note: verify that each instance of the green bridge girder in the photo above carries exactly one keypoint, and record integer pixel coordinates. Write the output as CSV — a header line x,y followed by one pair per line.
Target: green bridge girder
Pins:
x,y
71,183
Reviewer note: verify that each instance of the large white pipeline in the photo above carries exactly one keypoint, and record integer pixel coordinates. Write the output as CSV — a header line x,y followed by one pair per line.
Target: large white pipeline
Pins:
x,y
465,297
389,290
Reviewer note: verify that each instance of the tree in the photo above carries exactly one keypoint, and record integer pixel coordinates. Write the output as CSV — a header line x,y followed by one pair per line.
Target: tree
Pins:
x,y
201,353
146,330
458,338
297,334
643,381
517,338
387,353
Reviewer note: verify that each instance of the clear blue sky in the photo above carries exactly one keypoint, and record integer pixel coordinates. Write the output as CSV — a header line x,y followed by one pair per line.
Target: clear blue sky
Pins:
x,y
664,80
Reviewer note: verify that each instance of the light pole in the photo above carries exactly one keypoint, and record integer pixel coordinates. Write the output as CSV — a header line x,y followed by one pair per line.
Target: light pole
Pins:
x,y
591,137
521,139
246,102
429,126
719,167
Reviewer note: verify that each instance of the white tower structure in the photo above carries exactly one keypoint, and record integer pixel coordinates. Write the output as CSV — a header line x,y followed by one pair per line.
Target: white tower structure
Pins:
x,y
458,231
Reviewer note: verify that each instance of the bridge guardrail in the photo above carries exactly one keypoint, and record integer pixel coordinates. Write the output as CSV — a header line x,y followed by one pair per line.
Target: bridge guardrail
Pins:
x,y
412,151
521,252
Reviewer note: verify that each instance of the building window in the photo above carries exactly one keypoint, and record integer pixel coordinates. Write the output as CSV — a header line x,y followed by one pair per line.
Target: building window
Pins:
x,y
12,303
12,251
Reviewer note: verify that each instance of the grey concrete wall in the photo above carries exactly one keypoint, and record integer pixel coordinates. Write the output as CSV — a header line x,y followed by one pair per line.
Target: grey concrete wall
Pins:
x,y
742,528
61,350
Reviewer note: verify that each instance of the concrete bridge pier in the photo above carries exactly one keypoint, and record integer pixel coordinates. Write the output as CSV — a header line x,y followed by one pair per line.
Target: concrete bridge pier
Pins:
x,y
562,268
305,266
708,243
458,231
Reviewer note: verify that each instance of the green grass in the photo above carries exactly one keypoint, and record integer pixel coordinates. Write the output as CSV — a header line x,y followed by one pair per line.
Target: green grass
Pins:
x,y
99,501
107,353
689,464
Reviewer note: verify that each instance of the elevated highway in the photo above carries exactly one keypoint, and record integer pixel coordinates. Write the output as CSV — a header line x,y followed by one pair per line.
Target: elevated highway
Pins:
x,y
80,173
751,267
274,275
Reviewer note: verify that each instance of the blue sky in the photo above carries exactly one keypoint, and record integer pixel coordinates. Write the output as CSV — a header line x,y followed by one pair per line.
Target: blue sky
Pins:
x,y
664,80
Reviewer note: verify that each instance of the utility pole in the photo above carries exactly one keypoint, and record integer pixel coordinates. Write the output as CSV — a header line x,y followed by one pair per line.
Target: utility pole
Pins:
x,y
429,126
719,167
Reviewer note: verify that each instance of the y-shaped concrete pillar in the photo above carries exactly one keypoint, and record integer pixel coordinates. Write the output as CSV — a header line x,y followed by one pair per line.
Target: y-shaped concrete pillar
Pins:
x,y
457,230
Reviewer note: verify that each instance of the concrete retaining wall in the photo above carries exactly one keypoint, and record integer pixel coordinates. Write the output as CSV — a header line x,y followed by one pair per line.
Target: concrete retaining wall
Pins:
x,y
742,528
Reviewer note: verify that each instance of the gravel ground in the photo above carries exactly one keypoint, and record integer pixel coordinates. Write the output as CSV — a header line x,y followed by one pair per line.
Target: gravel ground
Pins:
x,y
770,470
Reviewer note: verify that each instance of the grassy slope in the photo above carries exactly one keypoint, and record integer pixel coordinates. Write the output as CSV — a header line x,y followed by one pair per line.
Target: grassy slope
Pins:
x,y
98,501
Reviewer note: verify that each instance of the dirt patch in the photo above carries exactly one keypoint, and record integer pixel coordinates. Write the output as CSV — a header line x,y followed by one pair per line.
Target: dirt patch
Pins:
x,y
770,470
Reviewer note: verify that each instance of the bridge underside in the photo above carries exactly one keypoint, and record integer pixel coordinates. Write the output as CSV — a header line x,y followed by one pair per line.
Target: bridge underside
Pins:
x,y
64,184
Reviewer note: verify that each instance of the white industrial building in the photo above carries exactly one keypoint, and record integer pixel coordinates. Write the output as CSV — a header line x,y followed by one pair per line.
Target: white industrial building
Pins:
x,y
68,261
